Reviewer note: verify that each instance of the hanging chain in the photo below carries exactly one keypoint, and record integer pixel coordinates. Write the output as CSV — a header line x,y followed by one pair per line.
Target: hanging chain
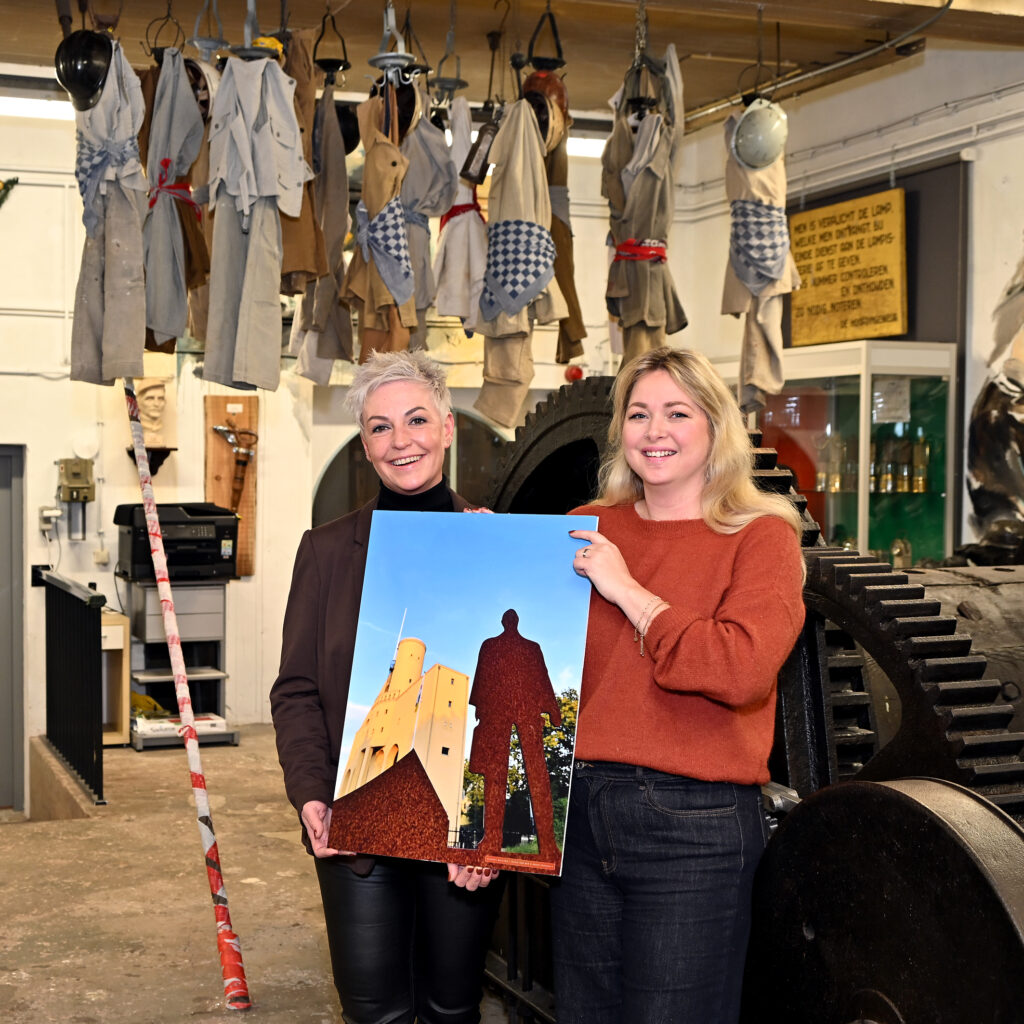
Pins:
x,y
641,28
449,48
760,39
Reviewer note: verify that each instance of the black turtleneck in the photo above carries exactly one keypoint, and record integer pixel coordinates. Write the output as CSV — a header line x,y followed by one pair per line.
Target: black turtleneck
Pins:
x,y
437,499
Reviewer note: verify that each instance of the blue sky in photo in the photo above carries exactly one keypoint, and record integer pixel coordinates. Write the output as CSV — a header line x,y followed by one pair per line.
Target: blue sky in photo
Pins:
x,y
453,577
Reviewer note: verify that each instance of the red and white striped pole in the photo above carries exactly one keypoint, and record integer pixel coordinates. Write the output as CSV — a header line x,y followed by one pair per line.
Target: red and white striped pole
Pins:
x,y
236,990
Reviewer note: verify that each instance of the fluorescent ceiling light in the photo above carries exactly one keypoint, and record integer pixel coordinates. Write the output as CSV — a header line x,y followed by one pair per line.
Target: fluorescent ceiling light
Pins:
x,y
576,146
585,147
50,110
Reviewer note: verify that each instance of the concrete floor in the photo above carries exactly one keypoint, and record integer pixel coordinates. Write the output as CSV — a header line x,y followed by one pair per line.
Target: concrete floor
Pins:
x,y
109,918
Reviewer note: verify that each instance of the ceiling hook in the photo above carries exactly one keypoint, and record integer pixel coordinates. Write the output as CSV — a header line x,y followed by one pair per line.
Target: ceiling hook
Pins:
x,y
393,63
330,66
208,45
150,47
445,86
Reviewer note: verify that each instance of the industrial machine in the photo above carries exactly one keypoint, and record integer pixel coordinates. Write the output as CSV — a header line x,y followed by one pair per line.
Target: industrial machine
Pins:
x,y
892,888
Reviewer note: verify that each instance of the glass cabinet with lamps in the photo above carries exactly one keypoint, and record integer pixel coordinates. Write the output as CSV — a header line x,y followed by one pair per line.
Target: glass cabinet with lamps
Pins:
x,y
867,428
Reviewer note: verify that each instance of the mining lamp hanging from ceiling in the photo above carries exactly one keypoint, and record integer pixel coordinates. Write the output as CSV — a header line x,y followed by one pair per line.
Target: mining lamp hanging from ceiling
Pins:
x,y
759,137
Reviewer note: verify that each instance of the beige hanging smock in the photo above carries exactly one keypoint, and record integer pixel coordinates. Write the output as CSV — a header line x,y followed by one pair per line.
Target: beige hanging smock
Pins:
x,y
383,325
322,328
303,258
761,352
519,192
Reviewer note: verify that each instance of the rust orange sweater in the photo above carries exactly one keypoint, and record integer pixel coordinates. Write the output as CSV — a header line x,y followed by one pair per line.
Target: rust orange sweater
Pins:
x,y
701,703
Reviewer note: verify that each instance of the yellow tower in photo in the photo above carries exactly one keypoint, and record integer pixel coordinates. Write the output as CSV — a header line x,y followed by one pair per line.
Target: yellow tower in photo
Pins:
x,y
415,710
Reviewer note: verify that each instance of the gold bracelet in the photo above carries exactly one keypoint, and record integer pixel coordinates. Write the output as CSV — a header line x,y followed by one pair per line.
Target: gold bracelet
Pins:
x,y
640,618
639,632
654,611
650,619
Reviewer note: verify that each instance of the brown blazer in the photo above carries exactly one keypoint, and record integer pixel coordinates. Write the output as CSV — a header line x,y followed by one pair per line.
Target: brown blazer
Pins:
x,y
310,695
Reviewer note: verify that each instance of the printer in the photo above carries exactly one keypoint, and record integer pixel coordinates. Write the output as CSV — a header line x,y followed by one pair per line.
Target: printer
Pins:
x,y
200,541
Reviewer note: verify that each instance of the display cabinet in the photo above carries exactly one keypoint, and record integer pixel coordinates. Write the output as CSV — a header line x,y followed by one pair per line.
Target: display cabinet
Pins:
x,y
868,429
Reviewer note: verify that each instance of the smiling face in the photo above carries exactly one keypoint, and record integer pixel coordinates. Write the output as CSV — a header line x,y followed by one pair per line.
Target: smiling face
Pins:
x,y
405,436
666,439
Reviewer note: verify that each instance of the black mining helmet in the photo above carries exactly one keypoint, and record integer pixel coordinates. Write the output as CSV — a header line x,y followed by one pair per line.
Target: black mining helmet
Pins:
x,y
82,61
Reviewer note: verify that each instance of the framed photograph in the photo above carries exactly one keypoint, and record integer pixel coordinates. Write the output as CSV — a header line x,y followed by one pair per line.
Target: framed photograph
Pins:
x,y
461,719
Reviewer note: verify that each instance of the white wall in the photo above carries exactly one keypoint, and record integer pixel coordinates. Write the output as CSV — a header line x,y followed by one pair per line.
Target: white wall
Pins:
x,y
961,98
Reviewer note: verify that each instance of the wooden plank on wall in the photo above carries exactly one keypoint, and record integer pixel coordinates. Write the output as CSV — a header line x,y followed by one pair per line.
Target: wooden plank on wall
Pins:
x,y
243,412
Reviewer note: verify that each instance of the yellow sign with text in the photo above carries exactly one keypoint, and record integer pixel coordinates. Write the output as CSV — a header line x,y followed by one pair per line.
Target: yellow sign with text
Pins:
x,y
852,259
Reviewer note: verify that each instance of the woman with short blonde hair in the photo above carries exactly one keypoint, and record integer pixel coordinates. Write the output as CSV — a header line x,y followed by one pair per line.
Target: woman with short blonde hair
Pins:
x,y
407,938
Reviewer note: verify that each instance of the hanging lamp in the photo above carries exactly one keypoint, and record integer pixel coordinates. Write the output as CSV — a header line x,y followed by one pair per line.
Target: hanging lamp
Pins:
x,y
330,66
546,63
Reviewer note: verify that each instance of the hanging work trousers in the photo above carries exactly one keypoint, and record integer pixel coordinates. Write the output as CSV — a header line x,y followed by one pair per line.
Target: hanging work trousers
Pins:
x,y
109,327
508,370
243,334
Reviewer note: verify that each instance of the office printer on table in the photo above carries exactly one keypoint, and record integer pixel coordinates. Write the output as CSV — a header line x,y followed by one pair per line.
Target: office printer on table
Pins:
x,y
200,541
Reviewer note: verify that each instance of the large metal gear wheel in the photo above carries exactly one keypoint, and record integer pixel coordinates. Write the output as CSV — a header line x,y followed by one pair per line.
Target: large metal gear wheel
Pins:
x,y
889,903
955,723
552,464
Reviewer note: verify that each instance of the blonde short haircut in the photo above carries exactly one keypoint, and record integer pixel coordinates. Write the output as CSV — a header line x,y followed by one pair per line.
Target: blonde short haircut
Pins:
x,y
388,368
730,499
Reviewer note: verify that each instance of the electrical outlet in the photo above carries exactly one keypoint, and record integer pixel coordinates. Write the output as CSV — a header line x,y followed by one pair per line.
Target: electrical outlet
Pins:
x,y
48,516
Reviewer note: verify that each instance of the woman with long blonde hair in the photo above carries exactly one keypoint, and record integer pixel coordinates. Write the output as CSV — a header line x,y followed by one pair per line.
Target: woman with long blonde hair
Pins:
x,y
697,600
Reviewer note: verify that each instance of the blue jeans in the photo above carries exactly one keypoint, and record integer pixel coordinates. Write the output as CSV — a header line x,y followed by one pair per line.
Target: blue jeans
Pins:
x,y
651,917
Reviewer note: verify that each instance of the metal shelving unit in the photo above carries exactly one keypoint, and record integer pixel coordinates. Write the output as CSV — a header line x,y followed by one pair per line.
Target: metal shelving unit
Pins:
x,y
200,611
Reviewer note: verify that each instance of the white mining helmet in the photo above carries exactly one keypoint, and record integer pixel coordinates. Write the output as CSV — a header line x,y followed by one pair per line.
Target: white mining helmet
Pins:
x,y
760,134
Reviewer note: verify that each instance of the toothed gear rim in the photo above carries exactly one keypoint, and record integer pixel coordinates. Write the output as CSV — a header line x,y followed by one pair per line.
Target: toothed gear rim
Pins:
x,y
953,725
561,442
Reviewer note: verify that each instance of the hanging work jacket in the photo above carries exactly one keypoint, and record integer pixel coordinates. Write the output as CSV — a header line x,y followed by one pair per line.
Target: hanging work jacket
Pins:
x,y
641,206
303,258
109,325
322,328
256,170
379,282
571,330
174,138
428,190
519,283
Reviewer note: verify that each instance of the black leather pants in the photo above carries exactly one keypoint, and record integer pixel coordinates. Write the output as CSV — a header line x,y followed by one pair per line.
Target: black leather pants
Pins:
x,y
406,945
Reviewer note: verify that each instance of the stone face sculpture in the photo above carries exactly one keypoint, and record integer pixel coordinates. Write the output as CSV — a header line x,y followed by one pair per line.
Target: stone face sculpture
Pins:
x,y
151,393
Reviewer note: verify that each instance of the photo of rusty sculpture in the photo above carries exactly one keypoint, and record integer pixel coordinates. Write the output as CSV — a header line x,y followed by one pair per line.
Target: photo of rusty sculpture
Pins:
x,y
420,775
